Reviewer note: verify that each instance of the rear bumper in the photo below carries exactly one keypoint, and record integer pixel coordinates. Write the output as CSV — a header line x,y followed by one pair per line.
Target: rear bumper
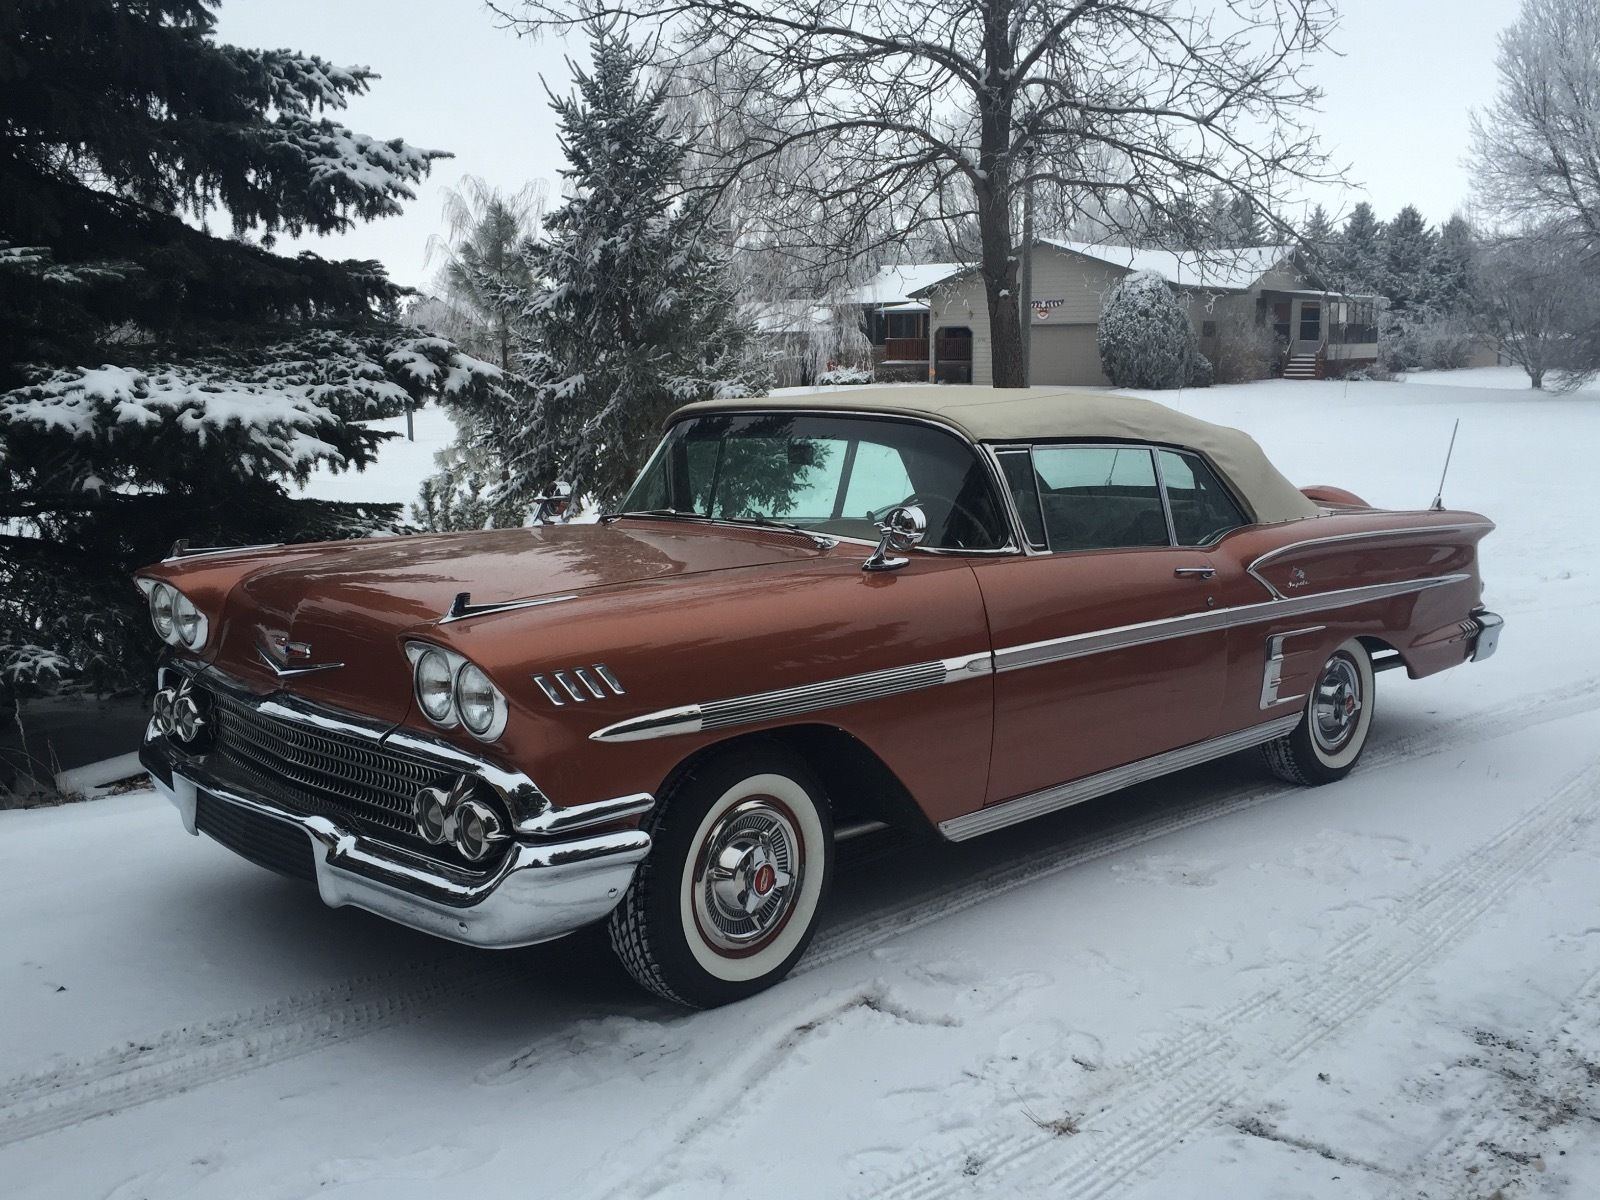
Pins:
x,y
540,890
1486,640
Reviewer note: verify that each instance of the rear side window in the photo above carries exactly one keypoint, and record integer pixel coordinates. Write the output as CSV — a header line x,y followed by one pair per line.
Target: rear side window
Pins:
x,y
1099,497
1202,509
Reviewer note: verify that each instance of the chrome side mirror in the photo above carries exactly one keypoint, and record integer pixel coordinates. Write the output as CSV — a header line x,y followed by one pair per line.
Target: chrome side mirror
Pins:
x,y
902,529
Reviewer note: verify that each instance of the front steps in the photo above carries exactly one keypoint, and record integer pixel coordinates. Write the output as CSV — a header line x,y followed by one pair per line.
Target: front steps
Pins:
x,y
1302,366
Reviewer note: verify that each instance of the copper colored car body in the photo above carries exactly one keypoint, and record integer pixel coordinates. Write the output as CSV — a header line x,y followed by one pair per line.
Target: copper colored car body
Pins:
x,y
961,689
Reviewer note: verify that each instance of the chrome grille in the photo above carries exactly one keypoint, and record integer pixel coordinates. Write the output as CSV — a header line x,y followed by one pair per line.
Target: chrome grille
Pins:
x,y
323,772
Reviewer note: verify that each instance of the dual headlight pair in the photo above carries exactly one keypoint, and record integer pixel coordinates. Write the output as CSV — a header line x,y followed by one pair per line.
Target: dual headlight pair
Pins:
x,y
452,690
177,620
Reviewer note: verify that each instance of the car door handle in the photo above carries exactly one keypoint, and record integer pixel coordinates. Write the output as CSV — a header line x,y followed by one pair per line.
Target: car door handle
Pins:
x,y
1195,572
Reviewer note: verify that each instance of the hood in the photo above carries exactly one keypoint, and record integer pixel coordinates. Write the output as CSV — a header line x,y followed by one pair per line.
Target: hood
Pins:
x,y
351,603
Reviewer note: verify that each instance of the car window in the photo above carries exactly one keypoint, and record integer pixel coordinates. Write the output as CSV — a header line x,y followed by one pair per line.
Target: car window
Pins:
x,y
1202,509
833,474
878,480
1099,497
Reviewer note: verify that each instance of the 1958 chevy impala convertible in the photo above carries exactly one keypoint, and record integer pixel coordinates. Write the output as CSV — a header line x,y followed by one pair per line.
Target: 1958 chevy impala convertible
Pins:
x,y
949,607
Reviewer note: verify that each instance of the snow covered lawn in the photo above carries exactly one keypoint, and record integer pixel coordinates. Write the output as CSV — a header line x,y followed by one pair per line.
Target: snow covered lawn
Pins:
x,y
1213,986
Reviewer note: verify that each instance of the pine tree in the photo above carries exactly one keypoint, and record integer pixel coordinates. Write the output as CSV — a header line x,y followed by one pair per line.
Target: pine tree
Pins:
x,y
1144,337
1408,253
1245,227
158,381
1357,257
1454,263
633,315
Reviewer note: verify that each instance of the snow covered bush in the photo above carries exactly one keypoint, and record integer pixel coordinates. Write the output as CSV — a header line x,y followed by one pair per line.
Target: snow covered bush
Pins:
x,y
1201,372
1423,339
836,376
160,381
1145,339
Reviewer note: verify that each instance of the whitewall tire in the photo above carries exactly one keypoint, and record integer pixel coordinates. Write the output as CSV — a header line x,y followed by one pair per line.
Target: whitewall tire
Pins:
x,y
740,865
1333,729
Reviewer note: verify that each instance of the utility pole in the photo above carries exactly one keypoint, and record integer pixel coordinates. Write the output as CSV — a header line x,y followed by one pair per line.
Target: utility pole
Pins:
x,y
1025,285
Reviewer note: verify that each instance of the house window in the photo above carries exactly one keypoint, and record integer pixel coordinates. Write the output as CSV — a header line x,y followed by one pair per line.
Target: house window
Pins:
x,y
907,325
1208,329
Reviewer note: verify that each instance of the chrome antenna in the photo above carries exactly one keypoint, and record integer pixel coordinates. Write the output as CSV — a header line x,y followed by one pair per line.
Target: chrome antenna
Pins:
x,y
1438,497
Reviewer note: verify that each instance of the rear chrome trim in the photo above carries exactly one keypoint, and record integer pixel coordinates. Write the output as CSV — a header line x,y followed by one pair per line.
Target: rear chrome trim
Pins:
x,y
1363,535
1090,787
1486,628
1122,637
792,701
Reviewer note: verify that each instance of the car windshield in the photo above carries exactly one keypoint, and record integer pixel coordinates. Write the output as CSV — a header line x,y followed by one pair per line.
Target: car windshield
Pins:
x,y
830,474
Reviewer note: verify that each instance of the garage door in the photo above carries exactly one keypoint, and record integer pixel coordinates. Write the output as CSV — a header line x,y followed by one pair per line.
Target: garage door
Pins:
x,y
1064,354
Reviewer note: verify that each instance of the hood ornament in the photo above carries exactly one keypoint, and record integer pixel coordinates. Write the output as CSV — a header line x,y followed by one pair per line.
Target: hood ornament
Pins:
x,y
286,657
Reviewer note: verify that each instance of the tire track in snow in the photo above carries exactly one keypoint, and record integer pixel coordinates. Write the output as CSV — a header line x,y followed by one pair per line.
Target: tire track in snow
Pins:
x,y
192,1056
1196,1076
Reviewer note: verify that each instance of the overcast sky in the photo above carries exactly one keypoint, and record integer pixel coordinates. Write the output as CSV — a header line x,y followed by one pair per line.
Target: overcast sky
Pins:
x,y
1395,113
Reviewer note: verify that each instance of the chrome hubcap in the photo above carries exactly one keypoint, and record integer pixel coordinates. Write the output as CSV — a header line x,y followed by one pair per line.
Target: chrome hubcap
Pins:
x,y
1336,705
747,876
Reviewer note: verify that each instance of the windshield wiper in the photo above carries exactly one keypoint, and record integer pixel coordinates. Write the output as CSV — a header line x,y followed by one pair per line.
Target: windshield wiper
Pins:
x,y
651,512
821,539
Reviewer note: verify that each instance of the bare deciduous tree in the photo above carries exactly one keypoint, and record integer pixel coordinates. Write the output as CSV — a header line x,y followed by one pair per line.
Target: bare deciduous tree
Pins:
x,y
890,120
1542,306
1537,148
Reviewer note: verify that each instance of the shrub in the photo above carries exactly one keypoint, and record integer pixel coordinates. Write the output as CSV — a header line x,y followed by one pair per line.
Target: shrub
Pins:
x,y
1245,348
834,376
1145,339
1201,372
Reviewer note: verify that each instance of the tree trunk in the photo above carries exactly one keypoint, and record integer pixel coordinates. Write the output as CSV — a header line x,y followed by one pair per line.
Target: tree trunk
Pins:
x,y
995,157
1538,377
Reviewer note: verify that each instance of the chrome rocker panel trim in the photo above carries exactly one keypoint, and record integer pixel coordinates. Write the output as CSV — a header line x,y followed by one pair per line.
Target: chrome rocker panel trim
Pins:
x,y
1091,787
539,891
792,701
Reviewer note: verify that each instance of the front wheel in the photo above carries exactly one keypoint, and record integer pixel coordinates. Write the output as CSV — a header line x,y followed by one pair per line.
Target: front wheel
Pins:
x,y
1333,730
740,863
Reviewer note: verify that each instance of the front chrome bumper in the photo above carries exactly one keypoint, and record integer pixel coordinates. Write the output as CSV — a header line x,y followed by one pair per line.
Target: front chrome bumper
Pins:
x,y
541,889
1487,638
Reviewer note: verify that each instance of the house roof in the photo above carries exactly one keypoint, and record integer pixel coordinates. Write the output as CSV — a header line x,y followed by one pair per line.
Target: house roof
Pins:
x,y
787,316
1034,414
1227,269
896,285
1233,269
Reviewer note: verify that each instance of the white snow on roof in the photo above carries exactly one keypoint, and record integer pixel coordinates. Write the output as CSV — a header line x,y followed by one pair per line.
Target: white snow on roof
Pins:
x,y
1233,269
787,316
895,285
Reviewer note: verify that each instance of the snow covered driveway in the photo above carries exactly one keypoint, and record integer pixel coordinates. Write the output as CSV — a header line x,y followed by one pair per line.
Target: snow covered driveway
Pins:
x,y
1209,986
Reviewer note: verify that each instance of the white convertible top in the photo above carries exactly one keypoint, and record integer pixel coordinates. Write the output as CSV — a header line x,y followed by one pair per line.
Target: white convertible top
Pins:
x,y
1038,414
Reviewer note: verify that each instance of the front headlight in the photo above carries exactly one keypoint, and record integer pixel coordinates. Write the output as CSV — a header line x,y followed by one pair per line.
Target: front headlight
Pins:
x,y
435,678
163,602
178,620
190,624
451,690
478,702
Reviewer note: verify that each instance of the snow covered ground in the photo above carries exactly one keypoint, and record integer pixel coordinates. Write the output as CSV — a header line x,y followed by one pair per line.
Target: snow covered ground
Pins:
x,y
1212,986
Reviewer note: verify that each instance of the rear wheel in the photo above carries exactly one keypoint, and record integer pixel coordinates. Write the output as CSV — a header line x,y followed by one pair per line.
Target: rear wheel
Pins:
x,y
1333,729
727,901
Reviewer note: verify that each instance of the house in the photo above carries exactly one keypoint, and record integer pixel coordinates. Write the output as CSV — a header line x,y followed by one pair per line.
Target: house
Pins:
x,y
896,320
1317,332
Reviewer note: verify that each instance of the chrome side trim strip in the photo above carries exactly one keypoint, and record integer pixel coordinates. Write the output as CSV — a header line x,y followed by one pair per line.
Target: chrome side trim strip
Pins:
x,y
1121,637
1090,787
1364,535
792,701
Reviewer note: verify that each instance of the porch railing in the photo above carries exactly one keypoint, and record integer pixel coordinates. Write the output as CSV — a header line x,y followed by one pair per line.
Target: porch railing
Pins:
x,y
905,349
